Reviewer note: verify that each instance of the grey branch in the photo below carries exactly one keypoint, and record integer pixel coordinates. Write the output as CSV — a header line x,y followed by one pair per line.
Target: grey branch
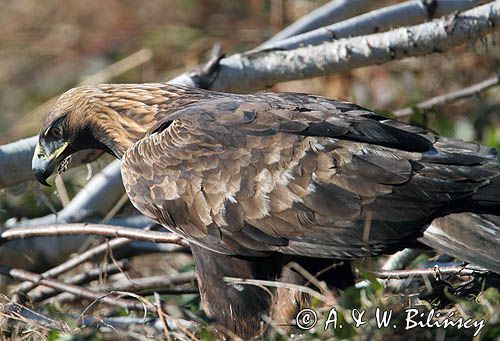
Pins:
x,y
75,261
469,91
92,229
41,253
109,298
140,286
79,279
21,313
265,68
96,198
403,14
331,12
434,272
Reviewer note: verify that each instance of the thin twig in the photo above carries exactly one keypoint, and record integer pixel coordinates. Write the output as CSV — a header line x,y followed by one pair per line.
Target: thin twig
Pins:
x,y
275,284
73,262
136,284
109,298
469,91
79,279
162,316
21,313
436,271
92,229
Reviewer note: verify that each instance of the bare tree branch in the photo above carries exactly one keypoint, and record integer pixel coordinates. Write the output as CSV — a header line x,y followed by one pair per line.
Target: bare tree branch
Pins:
x,y
21,313
136,284
435,272
40,253
110,298
450,97
265,68
401,259
79,279
329,13
141,286
96,198
92,229
75,261
403,14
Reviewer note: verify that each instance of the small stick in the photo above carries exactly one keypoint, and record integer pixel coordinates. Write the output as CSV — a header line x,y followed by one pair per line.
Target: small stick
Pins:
x,y
436,271
21,313
108,298
450,97
79,279
73,262
162,315
91,229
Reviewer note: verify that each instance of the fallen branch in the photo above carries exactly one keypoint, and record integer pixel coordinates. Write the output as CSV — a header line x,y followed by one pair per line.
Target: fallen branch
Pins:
x,y
21,313
137,284
41,253
92,229
126,322
403,14
453,96
96,198
109,298
73,262
401,259
79,279
435,272
329,13
265,68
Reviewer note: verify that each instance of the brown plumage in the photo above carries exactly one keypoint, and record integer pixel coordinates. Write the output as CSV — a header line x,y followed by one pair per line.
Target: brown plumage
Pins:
x,y
257,181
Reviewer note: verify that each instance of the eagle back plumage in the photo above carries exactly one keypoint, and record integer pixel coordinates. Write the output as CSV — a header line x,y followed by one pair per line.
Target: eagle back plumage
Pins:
x,y
299,174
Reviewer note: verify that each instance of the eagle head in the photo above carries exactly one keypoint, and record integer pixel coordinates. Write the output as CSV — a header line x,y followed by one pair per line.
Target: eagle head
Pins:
x,y
66,130
107,117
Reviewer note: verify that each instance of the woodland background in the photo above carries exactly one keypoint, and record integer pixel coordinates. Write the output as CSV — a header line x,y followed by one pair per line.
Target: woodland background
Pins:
x,y
48,47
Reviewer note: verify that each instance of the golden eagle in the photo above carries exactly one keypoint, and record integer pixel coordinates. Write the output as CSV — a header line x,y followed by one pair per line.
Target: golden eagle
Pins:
x,y
255,182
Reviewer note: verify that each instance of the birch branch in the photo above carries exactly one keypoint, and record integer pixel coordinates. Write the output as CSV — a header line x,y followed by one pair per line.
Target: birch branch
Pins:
x,y
327,14
80,279
109,298
469,91
21,313
92,229
73,262
265,68
403,14
41,253
95,199
435,272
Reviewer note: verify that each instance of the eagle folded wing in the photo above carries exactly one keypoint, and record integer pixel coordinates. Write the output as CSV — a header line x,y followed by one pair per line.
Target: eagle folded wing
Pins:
x,y
298,174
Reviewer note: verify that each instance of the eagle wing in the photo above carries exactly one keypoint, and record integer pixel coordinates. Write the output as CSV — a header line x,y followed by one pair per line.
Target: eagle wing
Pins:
x,y
299,174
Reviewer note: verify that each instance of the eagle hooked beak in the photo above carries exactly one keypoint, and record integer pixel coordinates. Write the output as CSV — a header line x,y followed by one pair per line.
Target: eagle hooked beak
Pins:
x,y
44,164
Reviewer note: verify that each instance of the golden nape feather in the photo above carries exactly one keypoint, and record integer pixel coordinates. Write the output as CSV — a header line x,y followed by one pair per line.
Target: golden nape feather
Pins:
x,y
257,181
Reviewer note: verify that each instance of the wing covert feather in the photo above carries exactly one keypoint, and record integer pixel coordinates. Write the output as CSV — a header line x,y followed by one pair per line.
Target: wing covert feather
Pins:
x,y
296,174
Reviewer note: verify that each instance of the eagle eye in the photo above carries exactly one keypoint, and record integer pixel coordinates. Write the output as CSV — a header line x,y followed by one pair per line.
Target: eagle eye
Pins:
x,y
55,132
